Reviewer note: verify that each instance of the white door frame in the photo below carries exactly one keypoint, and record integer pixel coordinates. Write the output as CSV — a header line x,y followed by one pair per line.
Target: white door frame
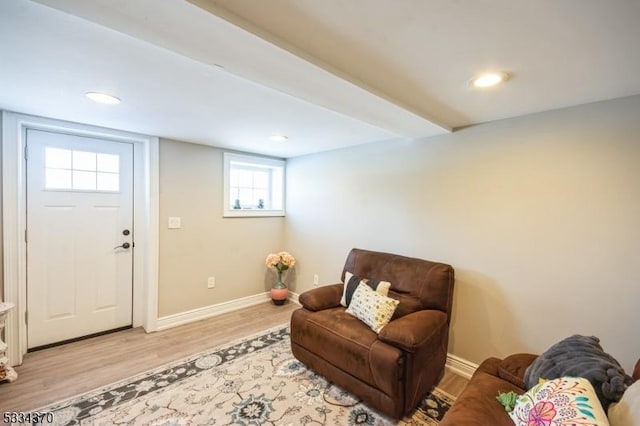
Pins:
x,y
145,220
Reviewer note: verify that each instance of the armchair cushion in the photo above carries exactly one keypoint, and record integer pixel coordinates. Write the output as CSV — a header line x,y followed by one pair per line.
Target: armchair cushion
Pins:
x,y
345,341
412,331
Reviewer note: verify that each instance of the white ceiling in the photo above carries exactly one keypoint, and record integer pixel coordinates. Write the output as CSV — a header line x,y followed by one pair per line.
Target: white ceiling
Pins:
x,y
328,73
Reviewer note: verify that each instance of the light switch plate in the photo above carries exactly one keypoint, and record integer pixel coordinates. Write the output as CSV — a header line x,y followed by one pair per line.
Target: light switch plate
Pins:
x,y
175,223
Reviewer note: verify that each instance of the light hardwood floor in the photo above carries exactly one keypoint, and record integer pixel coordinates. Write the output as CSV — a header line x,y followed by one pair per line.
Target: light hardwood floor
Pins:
x,y
57,373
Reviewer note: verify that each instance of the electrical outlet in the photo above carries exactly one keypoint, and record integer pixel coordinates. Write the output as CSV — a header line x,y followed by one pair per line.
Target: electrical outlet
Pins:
x,y
211,282
316,279
174,223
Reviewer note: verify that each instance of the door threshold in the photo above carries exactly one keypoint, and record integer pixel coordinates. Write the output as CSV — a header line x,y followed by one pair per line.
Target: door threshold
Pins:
x,y
77,339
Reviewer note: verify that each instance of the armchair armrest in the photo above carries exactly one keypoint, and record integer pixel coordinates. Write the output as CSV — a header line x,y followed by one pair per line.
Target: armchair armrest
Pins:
x,y
413,330
320,298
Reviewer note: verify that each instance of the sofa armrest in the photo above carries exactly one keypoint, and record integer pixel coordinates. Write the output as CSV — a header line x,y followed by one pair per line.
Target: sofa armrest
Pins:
x,y
513,367
321,298
489,366
413,330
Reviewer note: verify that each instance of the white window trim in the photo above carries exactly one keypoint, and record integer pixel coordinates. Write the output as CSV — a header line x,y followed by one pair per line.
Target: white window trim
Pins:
x,y
228,210
146,208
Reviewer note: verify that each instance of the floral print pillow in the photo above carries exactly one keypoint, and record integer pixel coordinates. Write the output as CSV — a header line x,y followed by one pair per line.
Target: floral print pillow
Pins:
x,y
560,402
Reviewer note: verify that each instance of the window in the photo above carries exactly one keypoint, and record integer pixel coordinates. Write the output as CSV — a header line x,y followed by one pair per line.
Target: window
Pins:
x,y
81,170
253,186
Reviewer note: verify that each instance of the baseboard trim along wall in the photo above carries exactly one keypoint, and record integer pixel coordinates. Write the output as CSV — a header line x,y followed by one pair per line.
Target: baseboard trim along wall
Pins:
x,y
461,366
294,297
187,317
457,365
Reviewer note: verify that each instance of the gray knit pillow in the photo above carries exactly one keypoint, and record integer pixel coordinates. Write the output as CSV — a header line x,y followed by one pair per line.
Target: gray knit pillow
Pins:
x,y
581,356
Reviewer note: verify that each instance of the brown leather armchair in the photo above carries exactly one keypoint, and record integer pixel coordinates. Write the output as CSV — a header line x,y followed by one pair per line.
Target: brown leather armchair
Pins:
x,y
393,370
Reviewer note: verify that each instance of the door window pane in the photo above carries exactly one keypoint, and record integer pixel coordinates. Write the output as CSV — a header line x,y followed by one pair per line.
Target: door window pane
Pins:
x,y
58,178
84,160
81,170
108,163
56,158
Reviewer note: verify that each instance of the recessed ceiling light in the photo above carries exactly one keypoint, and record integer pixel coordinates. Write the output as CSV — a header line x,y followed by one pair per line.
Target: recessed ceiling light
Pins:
x,y
489,79
103,98
278,138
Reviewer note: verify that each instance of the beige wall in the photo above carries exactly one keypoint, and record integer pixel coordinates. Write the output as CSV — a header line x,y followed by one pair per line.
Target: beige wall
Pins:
x,y
539,215
233,249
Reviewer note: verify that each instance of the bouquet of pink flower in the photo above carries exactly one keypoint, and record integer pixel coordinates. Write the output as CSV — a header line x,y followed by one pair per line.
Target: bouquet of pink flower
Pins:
x,y
280,261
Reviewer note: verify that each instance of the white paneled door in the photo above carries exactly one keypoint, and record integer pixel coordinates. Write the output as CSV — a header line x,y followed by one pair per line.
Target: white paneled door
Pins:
x,y
79,236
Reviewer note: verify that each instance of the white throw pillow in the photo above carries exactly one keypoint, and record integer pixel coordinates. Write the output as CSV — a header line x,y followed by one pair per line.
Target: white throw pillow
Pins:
x,y
626,412
372,308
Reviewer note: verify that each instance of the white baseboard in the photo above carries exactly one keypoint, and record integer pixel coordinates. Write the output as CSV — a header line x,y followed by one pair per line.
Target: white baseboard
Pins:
x,y
182,318
294,297
461,366
456,364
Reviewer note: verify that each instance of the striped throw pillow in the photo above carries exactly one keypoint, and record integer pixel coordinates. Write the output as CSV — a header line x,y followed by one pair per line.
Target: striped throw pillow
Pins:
x,y
351,284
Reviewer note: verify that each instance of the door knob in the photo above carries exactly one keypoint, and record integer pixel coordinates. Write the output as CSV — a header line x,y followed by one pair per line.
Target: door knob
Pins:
x,y
125,232
124,246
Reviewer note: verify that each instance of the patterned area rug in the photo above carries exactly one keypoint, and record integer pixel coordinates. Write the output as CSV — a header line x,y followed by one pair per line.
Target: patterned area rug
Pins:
x,y
256,381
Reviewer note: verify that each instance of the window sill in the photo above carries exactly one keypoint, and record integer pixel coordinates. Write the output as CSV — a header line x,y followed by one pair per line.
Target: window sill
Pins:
x,y
254,213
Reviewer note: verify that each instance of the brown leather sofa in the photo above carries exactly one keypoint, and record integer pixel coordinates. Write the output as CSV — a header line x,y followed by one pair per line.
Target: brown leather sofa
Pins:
x,y
477,404
393,370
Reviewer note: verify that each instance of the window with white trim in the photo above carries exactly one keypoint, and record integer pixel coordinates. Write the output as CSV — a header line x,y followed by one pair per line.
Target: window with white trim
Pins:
x,y
253,186
81,170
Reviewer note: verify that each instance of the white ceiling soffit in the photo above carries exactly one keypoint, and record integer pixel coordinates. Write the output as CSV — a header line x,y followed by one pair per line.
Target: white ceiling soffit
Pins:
x,y
207,35
422,53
